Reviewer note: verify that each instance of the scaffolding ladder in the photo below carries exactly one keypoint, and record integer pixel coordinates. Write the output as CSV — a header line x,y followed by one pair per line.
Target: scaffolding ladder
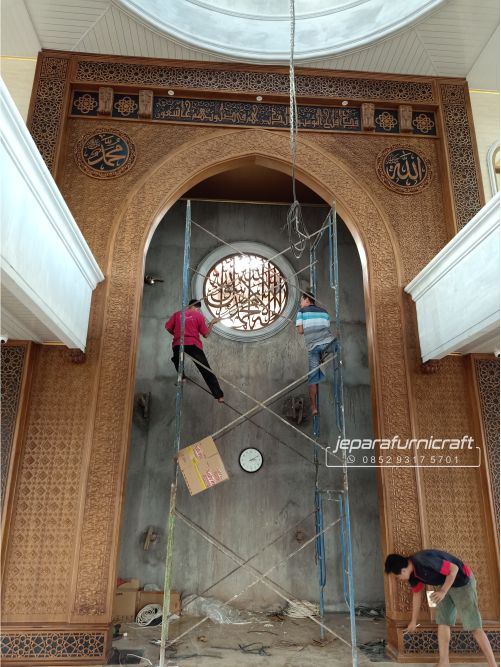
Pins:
x,y
341,495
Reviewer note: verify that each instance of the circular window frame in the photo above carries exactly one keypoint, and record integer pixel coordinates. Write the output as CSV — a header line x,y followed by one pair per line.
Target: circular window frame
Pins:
x,y
250,248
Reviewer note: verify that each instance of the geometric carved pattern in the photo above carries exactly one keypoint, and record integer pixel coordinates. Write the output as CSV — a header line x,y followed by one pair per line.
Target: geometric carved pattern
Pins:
x,y
257,82
46,120
452,497
12,375
126,106
461,642
50,645
465,184
386,121
423,122
38,569
85,104
487,374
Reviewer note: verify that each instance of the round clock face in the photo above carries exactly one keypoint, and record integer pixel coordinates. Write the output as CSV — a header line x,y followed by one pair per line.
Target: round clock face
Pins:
x,y
250,459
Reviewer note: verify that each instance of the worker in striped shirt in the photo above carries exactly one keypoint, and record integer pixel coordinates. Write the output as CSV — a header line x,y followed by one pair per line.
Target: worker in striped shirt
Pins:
x,y
314,323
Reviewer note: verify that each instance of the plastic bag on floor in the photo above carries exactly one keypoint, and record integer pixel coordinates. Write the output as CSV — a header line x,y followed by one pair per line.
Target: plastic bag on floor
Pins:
x,y
217,611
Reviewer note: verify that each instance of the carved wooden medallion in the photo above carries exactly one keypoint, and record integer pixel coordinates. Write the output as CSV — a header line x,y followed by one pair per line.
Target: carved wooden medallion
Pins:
x,y
105,153
403,170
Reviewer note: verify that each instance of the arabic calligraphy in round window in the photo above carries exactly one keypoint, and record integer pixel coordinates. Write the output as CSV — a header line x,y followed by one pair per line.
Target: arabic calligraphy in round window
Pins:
x,y
247,291
251,286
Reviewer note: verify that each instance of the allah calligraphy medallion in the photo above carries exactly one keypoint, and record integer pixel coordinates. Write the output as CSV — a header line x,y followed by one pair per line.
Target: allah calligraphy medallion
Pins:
x,y
105,153
403,170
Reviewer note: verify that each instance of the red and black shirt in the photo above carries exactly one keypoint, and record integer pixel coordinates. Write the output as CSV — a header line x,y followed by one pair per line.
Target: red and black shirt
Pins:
x,y
432,567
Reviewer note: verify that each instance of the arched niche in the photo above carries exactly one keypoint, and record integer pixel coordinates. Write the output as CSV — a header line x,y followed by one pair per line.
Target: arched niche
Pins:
x,y
154,193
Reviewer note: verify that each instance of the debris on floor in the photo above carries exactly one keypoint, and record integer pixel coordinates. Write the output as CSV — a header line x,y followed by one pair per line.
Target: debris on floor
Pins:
x,y
217,611
151,614
278,617
364,611
301,609
375,650
324,642
290,645
125,656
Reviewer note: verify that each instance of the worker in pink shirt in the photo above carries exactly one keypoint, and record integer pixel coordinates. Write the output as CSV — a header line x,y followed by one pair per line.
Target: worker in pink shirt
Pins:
x,y
194,327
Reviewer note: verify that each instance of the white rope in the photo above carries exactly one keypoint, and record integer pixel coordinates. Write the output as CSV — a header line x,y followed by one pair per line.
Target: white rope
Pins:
x,y
292,96
298,234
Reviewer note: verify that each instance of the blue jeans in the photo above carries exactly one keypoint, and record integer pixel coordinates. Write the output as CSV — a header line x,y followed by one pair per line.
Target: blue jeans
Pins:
x,y
314,360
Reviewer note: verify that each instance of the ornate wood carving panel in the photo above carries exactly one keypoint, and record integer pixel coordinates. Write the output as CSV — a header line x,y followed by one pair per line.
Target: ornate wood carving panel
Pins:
x,y
258,82
13,357
466,184
68,506
38,566
53,645
462,643
452,497
48,112
487,372
420,234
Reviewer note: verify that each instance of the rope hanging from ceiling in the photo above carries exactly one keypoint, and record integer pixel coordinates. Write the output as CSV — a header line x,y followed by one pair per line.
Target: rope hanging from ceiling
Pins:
x,y
296,229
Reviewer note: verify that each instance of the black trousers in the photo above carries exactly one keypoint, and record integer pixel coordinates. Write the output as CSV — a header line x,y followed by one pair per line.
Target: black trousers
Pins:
x,y
199,355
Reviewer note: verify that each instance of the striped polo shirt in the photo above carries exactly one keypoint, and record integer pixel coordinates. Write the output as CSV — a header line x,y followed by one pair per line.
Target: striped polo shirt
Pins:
x,y
316,325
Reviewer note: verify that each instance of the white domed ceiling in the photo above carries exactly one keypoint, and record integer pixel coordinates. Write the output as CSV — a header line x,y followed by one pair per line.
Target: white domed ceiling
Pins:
x,y
259,30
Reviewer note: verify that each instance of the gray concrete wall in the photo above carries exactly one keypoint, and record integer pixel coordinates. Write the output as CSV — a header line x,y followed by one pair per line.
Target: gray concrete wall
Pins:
x,y
249,510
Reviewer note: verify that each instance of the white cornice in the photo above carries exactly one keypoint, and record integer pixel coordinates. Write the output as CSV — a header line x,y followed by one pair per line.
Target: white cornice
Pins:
x,y
481,226
20,146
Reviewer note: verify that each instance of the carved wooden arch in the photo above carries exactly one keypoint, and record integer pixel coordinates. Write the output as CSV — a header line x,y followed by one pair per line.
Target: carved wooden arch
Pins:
x,y
146,205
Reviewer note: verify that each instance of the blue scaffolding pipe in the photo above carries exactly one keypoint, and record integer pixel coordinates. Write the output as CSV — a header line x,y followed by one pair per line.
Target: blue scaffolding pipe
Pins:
x,y
347,562
171,519
184,298
338,387
320,553
313,272
345,503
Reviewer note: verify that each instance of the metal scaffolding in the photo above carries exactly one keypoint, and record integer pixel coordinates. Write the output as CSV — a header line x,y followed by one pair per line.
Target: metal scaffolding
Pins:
x,y
340,496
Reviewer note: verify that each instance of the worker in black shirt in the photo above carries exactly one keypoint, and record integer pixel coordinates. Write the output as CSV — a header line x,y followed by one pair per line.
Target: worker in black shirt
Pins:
x,y
456,591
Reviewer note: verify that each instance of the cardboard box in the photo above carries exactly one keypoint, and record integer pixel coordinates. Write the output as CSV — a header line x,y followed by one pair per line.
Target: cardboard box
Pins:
x,y
157,597
124,602
201,465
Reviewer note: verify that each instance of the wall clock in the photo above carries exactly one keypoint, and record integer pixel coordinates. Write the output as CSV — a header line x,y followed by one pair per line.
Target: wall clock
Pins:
x,y
250,459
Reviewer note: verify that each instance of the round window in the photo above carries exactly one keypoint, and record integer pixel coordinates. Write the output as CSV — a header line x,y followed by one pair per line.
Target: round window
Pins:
x,y
250,287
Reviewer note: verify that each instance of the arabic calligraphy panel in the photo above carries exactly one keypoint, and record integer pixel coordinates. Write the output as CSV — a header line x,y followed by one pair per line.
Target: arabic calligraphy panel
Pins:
x,y
105,153
247,291
181,110
401,169
253,290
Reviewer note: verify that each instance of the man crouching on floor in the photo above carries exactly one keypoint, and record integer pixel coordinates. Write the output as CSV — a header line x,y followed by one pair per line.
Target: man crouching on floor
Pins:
x,y
456,591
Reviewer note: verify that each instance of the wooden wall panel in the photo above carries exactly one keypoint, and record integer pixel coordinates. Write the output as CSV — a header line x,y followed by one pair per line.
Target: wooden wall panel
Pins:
x,y
73,467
